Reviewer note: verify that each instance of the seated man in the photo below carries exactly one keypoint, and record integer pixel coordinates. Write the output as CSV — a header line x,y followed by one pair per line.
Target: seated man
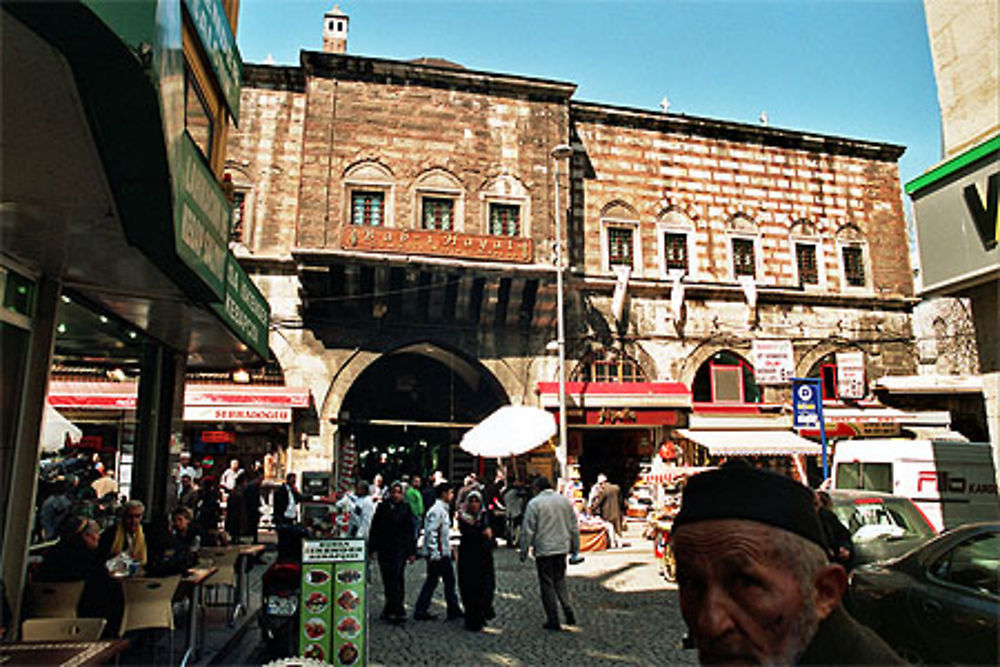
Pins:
x,y
181,546
76,557
126,535
754,581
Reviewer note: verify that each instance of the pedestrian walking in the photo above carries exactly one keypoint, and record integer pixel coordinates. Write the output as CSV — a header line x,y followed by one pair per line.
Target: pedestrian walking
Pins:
x,y
393,542
440,554
237,522
286,500
208,512
551,531
416,501
251,504
609,507
364,510
754,581
476,575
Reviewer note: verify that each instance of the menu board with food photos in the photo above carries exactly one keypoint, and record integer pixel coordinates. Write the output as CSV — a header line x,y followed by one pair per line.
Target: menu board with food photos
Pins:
x,y
333,617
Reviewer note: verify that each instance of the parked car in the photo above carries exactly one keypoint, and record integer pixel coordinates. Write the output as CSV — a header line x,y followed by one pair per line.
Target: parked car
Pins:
x,y
882,525
939,603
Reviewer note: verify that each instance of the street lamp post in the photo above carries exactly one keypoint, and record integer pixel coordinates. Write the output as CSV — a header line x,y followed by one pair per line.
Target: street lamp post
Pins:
x,y
559,153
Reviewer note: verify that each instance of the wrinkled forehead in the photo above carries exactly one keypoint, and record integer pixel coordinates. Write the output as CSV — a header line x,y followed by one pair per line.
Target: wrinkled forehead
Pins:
x,y
731,541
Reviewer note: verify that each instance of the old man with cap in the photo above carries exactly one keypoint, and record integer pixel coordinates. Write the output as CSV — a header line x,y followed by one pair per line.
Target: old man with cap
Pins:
x,y
754,581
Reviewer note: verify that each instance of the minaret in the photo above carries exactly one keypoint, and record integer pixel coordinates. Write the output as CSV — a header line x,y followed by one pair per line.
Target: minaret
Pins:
x,y
335,31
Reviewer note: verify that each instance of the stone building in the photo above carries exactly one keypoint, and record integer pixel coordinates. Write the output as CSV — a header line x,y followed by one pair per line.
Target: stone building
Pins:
x,y
399,215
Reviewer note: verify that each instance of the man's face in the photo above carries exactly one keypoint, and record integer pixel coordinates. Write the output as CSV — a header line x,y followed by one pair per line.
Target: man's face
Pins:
x,y
181,522
396,494
91,535
132,519
448,495
185,482
416,482
741,605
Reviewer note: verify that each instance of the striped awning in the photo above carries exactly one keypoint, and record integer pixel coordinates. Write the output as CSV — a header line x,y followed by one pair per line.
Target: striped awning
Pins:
x,y
749,443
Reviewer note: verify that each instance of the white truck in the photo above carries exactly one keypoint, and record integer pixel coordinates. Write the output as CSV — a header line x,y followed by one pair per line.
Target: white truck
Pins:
x,y
951,482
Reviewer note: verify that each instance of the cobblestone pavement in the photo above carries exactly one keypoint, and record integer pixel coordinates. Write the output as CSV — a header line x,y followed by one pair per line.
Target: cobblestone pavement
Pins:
x,y
627,615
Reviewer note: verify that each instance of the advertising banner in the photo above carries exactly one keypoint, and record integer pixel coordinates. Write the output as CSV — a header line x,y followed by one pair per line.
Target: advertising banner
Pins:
x,y
851,375
773,361
333,624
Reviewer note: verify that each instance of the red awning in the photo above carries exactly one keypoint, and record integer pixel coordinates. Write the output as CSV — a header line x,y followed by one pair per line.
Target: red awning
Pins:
x,y
122,395
617,394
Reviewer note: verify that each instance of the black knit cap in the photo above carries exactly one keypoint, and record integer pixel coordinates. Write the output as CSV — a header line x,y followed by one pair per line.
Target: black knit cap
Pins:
x,y
741,492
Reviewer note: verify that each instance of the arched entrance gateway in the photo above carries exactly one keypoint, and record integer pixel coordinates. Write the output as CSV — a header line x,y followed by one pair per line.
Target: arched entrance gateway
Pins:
x,y
406,412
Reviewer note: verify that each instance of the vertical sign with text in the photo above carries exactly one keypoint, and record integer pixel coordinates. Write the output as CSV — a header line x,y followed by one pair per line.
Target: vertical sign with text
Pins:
x,y
333,621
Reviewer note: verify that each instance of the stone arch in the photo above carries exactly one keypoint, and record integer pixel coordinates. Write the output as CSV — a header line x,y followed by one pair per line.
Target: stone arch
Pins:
x,y
620,210
850,231
368,170
740,221
817,352
706,351
504,185
438,178
675,217
802,227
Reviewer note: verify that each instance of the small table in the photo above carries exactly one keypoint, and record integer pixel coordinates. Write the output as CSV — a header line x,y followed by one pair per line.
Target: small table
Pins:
x,y
246,552
65,654
194,580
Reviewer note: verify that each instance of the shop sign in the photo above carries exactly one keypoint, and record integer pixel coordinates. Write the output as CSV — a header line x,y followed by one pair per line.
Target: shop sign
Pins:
x,y
773,361
201,218
244,309
433,242
218,436
628,416
237,414
216,35
333,618
851,375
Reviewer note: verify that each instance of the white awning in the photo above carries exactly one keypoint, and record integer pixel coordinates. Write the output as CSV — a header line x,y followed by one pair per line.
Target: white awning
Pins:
x,y
737,443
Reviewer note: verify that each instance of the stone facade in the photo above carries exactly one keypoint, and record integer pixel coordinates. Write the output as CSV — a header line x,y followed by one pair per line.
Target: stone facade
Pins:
x,y
312,136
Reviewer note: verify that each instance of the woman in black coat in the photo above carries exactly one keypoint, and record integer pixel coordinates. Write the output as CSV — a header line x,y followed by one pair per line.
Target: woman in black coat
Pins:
x,y
476,576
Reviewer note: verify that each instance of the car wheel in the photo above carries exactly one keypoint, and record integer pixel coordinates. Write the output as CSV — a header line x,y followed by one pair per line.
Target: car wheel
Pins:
x,y
910,655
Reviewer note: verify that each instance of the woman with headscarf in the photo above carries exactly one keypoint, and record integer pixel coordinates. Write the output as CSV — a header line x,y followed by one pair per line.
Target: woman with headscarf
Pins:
x,y
476,576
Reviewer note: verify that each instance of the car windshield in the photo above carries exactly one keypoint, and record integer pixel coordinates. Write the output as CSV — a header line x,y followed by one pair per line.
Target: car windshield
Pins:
x,y
873,518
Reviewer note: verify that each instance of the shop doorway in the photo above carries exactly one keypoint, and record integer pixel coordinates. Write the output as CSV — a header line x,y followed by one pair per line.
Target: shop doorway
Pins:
x,y
408,410
618,453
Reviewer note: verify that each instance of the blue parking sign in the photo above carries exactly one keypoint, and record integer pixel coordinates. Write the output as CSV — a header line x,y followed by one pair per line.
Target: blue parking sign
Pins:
x,y
807,403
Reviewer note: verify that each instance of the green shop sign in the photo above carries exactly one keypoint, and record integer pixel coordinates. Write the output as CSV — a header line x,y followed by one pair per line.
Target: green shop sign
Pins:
x,y
244,308
220,46
201,218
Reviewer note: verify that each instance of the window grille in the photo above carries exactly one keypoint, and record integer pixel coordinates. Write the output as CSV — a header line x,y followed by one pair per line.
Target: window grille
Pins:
x,y
805,259
438,213
675,249
620,249
854,266
505,219
367,208
744,259
238,206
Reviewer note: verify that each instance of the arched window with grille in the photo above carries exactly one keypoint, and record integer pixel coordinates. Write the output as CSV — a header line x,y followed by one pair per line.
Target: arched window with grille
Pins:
x,y
608,365
726,378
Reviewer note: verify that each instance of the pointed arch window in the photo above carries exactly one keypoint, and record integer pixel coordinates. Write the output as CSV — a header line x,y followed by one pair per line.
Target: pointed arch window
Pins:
x,y
726,378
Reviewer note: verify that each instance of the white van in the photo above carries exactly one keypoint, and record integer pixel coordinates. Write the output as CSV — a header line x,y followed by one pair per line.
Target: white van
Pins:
x,y
951,482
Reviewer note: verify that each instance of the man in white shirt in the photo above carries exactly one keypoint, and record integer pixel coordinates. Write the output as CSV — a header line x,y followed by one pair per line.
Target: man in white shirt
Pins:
x,y
364,510
184,467
440,554
228,478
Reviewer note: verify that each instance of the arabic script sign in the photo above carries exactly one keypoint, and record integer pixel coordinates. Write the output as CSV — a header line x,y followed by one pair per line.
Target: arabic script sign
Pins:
x,y
433,242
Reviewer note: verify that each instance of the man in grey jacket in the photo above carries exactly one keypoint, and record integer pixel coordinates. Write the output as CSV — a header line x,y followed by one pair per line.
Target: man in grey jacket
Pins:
x,y
550,529
440,554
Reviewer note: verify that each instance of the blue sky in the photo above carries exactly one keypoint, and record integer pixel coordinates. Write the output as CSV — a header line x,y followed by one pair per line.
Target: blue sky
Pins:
x,y
850,68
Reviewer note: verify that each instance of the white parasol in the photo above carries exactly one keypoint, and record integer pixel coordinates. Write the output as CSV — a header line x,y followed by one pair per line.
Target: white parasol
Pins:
x,y
510,431
55,429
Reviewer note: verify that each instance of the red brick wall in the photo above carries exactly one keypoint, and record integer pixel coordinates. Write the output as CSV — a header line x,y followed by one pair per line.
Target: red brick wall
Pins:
x,y
712,179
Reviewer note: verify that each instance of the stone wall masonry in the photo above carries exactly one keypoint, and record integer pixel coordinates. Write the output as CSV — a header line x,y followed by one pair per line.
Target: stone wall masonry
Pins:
x,y
712,179
409,130
264,155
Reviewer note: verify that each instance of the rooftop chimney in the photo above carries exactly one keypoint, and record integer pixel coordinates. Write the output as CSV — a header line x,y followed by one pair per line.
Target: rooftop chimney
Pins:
x,y
335,31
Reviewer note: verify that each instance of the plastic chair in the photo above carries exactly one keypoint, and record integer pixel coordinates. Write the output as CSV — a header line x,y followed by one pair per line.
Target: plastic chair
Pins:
x,y
62,629
148,603
53,599
223,558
